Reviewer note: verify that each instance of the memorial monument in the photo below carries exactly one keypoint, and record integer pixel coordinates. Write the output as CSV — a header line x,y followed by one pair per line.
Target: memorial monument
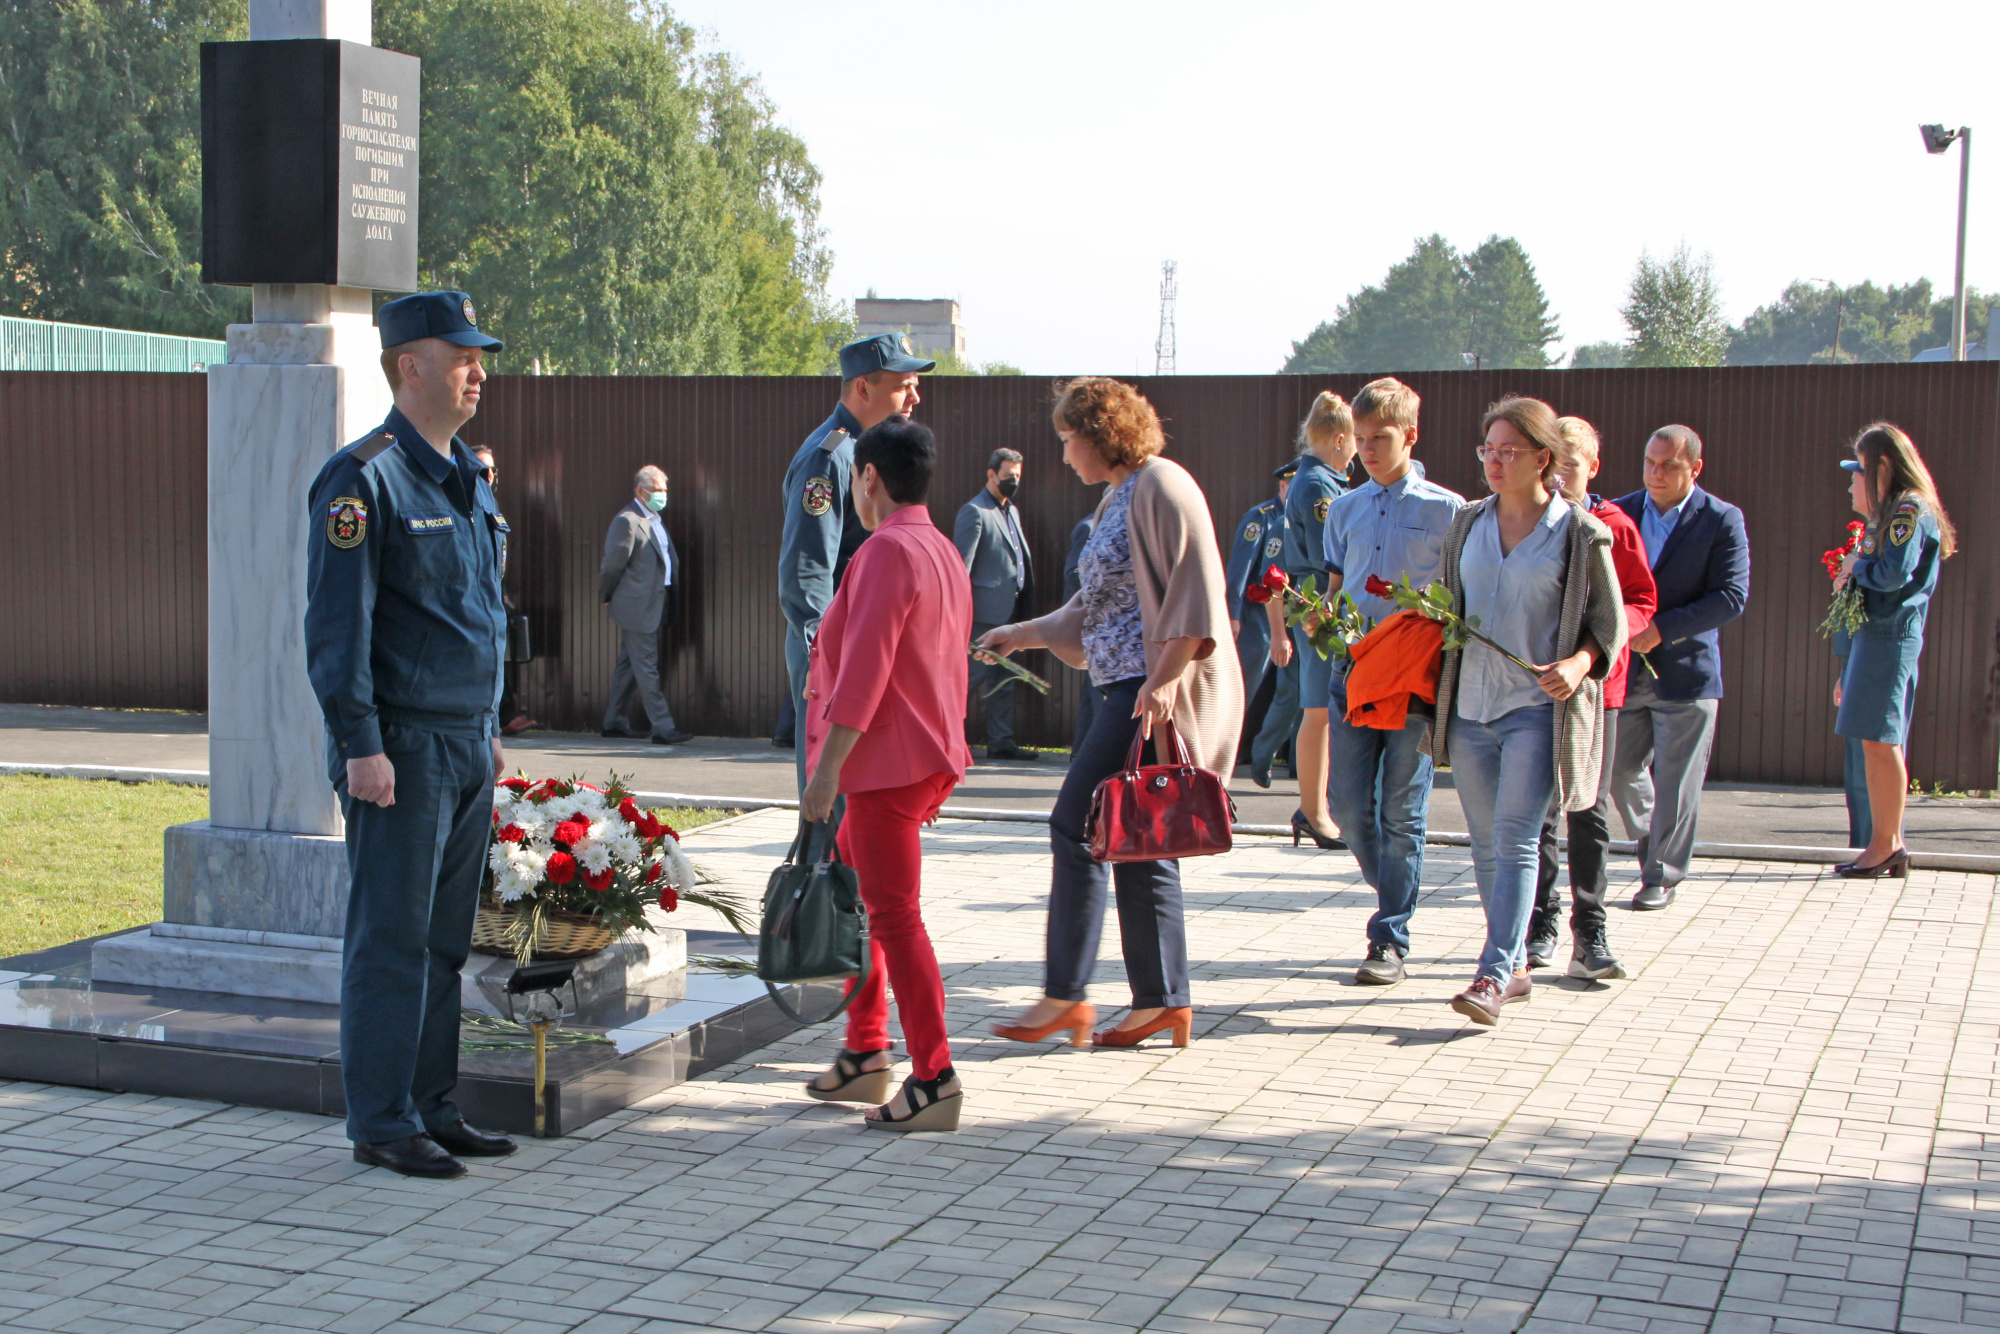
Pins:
x,y
309,188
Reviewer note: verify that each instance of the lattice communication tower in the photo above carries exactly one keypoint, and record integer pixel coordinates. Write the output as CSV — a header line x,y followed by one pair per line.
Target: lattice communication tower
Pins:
x,y
1163,346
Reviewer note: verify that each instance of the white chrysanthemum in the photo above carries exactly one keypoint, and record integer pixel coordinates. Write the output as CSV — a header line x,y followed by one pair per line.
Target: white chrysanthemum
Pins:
x,y
511,887
594,856
680,872
592,804
626,848
496,857
532,826
529,863
503,802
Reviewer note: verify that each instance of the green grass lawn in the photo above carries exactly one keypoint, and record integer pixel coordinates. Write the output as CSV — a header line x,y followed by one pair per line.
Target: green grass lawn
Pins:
x,y
80,857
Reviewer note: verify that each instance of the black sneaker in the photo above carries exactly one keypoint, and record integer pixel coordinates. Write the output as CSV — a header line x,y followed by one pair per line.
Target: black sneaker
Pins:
x,y
1541,946
1382,968
1592,959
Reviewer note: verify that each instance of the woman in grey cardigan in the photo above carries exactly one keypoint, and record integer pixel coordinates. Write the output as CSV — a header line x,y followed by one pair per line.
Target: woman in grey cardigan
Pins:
x,y
1533,569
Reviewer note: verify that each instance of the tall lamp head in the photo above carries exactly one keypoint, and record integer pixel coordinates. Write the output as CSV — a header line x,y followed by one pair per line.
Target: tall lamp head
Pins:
x,y
1937,138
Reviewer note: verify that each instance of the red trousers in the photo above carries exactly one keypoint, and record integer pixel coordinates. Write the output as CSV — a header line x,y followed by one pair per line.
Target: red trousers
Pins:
x,y
880,839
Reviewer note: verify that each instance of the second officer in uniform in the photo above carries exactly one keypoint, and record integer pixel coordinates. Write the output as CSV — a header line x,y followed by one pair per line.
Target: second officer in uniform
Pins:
x,y
405,640
1279,727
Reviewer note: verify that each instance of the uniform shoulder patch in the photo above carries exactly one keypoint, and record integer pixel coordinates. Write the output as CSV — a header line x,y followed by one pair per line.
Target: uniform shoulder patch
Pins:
x,y
817,498
1252,531
1903,521
1320,507
1273,547
368,450
346,522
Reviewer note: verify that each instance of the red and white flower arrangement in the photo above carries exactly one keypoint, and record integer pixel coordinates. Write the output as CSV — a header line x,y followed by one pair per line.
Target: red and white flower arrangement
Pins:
x,y
572,847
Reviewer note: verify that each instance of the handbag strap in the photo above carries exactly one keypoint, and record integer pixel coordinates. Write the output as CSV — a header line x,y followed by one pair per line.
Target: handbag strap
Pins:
x,y
1171,733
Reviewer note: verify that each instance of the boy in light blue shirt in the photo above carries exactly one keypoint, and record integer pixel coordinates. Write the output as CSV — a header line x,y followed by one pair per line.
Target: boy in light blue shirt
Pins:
x,y
1392,526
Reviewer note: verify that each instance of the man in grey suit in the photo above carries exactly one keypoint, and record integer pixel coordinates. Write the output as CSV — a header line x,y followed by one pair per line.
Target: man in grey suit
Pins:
x,y
639,579
988,536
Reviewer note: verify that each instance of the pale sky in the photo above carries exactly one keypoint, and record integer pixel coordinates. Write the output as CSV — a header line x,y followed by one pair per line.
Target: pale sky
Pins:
x,y
1036,161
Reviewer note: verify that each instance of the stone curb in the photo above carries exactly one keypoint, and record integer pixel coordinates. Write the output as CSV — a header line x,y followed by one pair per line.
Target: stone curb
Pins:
x,y
1749,852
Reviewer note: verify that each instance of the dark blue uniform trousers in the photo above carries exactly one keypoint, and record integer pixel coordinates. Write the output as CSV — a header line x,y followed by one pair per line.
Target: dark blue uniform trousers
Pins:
x,y
416,869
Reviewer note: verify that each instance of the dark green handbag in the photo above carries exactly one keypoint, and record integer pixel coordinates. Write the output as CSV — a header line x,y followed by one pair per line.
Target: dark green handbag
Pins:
x,y
815,928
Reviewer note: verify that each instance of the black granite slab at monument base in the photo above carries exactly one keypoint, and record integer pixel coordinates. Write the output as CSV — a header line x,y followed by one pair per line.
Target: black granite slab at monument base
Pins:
x,y
59,1027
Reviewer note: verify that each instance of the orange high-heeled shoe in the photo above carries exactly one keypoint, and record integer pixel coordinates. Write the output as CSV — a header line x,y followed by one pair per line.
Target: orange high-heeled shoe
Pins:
x,y
1179,1018
1079,1019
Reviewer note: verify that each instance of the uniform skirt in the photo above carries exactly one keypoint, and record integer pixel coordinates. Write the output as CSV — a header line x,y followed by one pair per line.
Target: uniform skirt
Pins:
x,y
1315,672
1878,691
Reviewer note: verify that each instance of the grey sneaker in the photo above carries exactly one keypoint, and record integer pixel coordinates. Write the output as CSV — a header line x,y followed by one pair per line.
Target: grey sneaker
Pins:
x,y
1382,968
1592,959
1541,949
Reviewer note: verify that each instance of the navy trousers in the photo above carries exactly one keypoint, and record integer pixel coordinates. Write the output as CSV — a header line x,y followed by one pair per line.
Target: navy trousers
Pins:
x,y
1150,926
416,868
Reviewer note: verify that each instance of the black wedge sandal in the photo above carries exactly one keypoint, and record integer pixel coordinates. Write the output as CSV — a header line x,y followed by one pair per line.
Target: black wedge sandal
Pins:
x,y
929,1110
856,1084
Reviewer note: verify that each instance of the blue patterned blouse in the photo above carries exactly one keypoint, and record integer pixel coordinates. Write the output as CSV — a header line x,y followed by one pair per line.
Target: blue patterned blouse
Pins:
x,y
1114,639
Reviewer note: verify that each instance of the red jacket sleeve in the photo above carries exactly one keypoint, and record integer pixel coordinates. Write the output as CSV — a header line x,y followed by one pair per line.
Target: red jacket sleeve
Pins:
x,y
881,585
1635,576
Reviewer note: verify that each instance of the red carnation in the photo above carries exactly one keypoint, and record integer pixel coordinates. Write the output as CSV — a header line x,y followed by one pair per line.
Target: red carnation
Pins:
x,y
668,830
561,868
670,899
649,825
513,833
1378,586
1256,593
629,809
571,832
598,880
652,873
514,784
1275,580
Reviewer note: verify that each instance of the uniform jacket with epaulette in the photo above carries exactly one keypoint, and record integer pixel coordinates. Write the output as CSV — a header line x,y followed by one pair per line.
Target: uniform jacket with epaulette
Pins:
x,y
821,531
404,621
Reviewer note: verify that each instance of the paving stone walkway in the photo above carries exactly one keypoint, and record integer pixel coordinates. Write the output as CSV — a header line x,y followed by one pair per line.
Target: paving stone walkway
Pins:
x,y
1786,1120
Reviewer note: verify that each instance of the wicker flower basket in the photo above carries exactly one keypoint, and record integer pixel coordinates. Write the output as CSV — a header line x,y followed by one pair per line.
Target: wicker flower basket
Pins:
x,y
567,936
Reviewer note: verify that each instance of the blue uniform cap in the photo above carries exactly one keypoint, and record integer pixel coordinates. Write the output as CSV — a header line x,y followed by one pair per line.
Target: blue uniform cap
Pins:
x,y
1289,468
1852,465
877,352
446,315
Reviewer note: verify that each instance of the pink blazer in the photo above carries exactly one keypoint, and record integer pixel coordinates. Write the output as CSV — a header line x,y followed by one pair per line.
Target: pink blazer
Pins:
x,y
890,658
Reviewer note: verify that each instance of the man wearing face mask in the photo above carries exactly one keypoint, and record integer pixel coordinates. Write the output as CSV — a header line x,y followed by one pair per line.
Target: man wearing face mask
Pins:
x,y
639,579
989,539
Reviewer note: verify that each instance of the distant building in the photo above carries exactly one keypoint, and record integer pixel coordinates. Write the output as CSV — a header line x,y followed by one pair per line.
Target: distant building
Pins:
x,y
1986,351
932,326
44,345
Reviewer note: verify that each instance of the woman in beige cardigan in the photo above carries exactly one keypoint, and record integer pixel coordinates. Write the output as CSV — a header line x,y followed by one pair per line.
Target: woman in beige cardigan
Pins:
x,y
1532,569
1146,625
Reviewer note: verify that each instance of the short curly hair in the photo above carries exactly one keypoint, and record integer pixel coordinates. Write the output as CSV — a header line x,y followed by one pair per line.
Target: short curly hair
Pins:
x,y
1113,416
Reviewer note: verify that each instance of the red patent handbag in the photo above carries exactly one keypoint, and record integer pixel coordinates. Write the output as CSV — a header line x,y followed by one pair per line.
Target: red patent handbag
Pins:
x,y
1161,811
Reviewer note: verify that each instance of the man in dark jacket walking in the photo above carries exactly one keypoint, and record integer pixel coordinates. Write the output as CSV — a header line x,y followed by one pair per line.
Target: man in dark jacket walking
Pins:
x,y
639,580
1700,556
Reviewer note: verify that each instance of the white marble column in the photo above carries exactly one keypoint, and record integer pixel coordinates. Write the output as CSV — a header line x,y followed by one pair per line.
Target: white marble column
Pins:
x,y
256,894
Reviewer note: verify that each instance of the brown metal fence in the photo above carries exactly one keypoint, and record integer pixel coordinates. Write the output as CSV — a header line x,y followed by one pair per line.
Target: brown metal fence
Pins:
x,y
106,553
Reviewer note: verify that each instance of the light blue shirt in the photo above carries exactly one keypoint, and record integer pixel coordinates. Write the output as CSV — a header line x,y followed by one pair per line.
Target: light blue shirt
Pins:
x,y
1389,531
1656,526
660,541
1517,600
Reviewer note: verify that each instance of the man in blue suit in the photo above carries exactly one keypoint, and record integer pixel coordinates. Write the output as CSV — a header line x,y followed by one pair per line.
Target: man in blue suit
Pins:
x,y
1701,561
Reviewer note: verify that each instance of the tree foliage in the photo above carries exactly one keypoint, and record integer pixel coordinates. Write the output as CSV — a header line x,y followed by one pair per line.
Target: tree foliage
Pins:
x,y
615,200
1434,307
1674,310
100,176
1597,356
1874,324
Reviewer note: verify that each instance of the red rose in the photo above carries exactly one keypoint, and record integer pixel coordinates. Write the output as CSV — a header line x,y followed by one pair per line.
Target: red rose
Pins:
x,y
571,832
561,868
513,833
670,899
1379,586
598,880
1256,593
1275,580
514,784
629,809
1856,526
652,873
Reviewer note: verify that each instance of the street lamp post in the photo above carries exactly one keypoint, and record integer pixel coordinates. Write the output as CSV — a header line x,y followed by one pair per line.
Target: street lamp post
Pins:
x,y
1936,140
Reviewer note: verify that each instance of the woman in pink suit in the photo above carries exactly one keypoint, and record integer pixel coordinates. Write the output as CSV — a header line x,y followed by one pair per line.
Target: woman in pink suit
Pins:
x,y
885,727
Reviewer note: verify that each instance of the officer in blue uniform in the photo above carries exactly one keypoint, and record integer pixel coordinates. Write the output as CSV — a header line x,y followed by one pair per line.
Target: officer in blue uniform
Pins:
x,y
1280,723
1246,567
1313,490
1897,572
878,379
406,638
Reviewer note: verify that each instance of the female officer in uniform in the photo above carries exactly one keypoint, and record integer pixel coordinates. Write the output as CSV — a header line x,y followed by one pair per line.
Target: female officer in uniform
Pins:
x,y
1328,437
1897,568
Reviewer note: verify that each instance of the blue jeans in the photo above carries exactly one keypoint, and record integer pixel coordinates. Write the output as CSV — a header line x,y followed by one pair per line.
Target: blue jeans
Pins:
x,y
1150,926
1506,780
1379,792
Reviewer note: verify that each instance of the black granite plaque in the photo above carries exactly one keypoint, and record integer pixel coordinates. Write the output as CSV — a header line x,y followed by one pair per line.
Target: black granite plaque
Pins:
x,y
309,164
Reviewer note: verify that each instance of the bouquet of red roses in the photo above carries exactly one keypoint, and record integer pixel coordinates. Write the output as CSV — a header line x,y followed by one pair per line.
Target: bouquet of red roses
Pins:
x,y
1434,603
1848,612
1333,623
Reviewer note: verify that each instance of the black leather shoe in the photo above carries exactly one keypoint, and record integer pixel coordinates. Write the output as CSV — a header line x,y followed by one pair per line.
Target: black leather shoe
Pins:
x,y
1651,898
673,738
463,1140
784,742
1260,774
417,1156
1012,753
619,735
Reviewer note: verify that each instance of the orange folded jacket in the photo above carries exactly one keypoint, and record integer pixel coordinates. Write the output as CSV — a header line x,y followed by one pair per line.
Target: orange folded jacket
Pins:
x,y
1398,659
